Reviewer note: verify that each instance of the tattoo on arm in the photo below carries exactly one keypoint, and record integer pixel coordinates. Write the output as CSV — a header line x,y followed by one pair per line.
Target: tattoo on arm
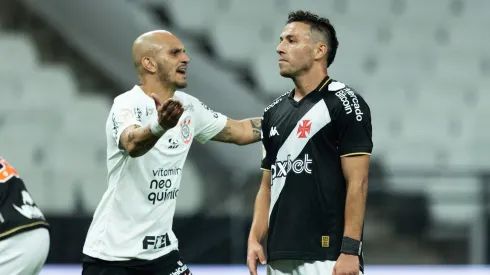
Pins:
x,y
138,141
238,132
256,128
142,146
225,135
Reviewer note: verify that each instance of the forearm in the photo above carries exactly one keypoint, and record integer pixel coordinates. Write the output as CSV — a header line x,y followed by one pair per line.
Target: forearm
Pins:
x,y
355,206
240,132
260,221
138,140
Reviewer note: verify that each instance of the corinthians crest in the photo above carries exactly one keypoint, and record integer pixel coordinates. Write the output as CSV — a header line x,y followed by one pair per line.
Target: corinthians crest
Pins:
x,y
185,129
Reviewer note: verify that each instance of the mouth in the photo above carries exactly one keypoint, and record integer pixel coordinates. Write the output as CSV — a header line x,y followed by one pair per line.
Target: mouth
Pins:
x,y
282,60
182,70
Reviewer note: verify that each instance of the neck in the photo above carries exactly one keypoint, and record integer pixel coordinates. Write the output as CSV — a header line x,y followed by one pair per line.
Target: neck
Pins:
x,y
306,83
156,87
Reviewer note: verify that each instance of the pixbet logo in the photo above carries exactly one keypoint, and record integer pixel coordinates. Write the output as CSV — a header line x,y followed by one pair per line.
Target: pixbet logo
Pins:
x,y
282,168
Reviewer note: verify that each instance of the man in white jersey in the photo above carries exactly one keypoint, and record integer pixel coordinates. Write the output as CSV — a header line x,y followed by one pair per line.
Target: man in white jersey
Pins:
x,y
149,134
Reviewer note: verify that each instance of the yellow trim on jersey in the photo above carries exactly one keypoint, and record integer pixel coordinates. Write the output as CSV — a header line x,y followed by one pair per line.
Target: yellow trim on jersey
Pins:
x,y
263,169
13,230
357,153
328,80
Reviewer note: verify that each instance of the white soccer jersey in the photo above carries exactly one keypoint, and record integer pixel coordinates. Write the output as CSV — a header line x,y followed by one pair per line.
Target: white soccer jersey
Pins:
x,y
134,218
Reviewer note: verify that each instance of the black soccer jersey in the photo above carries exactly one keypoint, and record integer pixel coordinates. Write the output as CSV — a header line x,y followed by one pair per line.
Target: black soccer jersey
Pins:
x,y
303,143
18,212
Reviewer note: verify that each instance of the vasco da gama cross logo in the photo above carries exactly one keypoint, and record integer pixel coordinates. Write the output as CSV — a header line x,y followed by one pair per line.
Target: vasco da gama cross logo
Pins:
x,y
304,128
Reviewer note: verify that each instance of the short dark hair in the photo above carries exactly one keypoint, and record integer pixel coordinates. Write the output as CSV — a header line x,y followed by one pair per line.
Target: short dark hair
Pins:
x,y
321,25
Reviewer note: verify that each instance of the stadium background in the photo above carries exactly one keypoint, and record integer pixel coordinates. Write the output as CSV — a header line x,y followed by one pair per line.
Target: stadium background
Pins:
x,y
422,65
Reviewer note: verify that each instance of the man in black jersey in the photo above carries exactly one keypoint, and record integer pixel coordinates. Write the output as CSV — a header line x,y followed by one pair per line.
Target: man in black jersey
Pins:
x,y
317,141
24,235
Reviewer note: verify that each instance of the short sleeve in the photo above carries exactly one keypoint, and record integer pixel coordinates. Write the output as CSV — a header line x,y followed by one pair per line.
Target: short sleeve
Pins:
x,y
209,123
123,114
266,151
354,125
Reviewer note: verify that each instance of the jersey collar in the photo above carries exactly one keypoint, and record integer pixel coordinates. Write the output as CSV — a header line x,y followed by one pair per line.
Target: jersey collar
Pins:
x,y
319,88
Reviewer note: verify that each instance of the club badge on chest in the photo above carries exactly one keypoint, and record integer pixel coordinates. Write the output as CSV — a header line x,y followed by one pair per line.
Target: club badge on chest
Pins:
x,y
185,129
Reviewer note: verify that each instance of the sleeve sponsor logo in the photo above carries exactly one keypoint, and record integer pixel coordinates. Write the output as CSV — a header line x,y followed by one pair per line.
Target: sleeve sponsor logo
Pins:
x,y
347,96
215,115
138,113
115,125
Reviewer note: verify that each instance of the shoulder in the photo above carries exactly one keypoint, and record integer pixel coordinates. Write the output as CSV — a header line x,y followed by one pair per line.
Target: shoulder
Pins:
x,y
193,104
271,107
182,96
343,97
128,98
340,93
187,99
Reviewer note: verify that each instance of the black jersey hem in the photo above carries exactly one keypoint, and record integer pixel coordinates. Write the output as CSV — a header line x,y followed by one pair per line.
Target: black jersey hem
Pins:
x,y
23,228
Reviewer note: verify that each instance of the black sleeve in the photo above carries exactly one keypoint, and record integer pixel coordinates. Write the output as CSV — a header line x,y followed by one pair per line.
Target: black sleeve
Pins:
x,y
266,153
353,124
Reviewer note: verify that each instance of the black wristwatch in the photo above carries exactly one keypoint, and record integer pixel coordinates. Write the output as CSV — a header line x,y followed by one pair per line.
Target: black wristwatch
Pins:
x,y
351,246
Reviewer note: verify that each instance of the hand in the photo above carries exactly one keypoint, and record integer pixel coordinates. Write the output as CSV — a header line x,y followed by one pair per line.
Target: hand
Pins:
x,y
255,252
169,112
346,265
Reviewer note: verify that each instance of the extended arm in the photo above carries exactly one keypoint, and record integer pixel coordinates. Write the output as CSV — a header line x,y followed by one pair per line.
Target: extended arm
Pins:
x,y
355,169
240,132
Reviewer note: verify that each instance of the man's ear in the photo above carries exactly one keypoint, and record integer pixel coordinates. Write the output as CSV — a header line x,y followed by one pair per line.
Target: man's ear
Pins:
x,y
149,64
321,51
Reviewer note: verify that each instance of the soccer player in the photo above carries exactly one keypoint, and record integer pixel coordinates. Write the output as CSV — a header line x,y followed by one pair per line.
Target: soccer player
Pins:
x,y
24,232
149,133
317,145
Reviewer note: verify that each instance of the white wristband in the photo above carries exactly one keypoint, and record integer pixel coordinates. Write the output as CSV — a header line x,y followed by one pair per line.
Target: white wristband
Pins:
x,y
157,129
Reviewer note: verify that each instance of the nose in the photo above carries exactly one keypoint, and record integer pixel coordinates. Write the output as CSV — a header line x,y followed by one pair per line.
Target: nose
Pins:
x,y
186,59
280,48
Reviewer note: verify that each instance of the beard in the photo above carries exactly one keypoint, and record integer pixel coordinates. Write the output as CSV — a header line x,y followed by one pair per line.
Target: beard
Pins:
x,y
164,76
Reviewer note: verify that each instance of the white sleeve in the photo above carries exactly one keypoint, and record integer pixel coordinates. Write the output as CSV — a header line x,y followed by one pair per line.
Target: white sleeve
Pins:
x,y
209,123
124,114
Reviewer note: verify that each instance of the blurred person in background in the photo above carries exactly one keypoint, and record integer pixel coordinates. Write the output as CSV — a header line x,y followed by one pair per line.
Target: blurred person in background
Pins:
x,y
317,141
149,133
24,232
